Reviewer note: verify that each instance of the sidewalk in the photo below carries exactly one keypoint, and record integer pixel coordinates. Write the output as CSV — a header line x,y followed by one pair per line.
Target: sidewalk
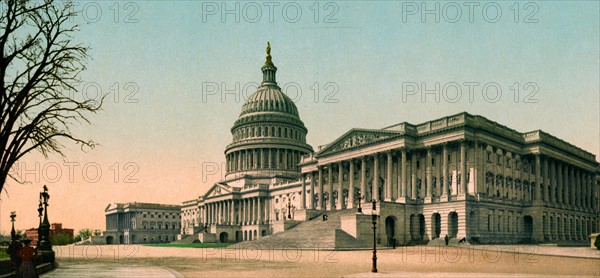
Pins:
x,y
110,270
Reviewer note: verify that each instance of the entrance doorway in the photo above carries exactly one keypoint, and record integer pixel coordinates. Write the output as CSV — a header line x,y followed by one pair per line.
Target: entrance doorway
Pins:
x,y
452,224
436,222
390,231
223,237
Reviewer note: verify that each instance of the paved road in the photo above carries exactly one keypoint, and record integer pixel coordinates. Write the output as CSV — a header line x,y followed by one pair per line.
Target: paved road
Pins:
x,y
101,270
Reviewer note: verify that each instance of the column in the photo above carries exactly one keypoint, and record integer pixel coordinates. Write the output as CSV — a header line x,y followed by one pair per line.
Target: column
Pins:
x,y
423,176
255,210
259,208
363,178
311,205
285,159
429,181
552,173
303,192
559,183
269,158
250,211
578,191
584,190
594,194
242,203
512,174
277,159
247,211
375,184
589,189
254,159
351,184
218,213
538,178
225,213
262,159
565,186
222,213
463,168
546,181
233,220
320,189
340,199
239,161
388,178
445,169
402,176
204,215
330,204
413,169
572,186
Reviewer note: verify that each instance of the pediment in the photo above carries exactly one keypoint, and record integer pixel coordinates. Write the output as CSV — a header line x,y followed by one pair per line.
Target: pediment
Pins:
x,y
356,138
218,190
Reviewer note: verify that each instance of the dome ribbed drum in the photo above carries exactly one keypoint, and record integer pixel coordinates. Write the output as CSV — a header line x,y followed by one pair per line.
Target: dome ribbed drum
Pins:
x,y
268,137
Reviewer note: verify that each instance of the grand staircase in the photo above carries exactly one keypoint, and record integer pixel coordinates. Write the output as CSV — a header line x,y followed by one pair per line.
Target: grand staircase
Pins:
x,y
311,234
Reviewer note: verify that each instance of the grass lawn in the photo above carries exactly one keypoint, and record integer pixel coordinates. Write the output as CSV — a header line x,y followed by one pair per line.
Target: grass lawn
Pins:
x,y
190,245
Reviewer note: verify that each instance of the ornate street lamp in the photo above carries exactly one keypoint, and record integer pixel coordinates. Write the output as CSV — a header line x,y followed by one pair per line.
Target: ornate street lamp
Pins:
x,y
44,230
40,210
13,234
374,218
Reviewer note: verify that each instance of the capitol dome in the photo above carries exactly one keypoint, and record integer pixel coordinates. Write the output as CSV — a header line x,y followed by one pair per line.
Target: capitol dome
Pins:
x,y
268,137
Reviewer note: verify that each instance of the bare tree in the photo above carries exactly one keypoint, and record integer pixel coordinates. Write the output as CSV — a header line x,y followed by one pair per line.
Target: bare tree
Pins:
x,y
39,69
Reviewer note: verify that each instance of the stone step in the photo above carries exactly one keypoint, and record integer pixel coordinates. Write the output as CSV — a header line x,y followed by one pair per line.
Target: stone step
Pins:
x,y
311,234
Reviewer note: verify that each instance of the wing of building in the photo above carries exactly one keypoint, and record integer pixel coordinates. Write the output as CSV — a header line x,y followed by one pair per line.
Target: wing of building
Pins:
x,y
464,176
132,223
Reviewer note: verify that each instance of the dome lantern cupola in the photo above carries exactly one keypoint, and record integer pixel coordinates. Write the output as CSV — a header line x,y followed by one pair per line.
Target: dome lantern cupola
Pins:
x,y
269,69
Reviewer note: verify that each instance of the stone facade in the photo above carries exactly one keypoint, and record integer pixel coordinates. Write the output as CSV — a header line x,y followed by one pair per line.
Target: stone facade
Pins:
x,y
464,176
461,176
133,223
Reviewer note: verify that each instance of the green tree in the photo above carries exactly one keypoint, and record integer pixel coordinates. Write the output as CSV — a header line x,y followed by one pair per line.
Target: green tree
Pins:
x,y
61,239
39,67
83,234
597,242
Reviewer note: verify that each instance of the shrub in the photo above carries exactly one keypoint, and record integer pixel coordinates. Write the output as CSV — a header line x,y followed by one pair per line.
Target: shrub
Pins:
x,y
61,239
597,242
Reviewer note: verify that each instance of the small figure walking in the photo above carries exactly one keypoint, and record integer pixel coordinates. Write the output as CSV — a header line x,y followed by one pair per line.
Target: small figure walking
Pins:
x,y
394,242
27,254
446,238
324,217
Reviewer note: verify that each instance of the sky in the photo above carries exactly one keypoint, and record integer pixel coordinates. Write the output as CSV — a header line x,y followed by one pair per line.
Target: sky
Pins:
x,y
177,73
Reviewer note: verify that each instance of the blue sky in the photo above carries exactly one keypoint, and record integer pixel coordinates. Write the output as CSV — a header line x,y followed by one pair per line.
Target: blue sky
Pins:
x,y
170,53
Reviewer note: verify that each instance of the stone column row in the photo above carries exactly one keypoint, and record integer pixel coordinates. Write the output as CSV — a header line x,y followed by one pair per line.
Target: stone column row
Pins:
x,y
395,183
262,159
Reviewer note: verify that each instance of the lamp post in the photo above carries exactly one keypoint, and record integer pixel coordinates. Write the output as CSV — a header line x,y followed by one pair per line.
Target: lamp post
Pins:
x,y
13,234
44,230
40,210
374,218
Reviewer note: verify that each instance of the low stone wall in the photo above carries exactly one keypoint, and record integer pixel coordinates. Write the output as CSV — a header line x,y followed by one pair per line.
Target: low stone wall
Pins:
x,y
43,264
284,225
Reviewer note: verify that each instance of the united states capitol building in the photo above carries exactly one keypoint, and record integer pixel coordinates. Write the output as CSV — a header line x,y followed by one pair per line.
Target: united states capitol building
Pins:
x,y
463,175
